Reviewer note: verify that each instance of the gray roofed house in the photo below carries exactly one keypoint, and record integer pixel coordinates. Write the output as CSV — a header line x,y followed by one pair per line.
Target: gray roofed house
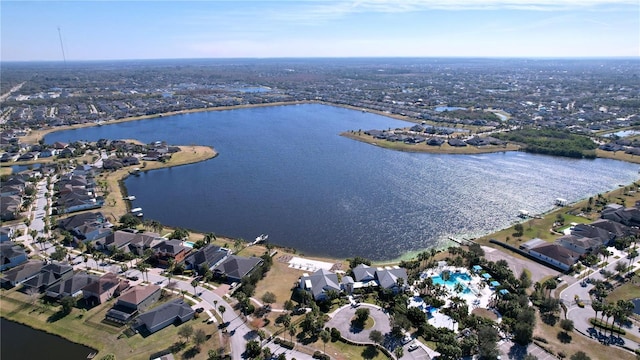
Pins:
x,y
236,267
347,284
597,233
50,274
78,220
165,315
389,278
70,287
9,207
579,244
22,273
618,229
319,283
210,256
364,273
627,216
11,255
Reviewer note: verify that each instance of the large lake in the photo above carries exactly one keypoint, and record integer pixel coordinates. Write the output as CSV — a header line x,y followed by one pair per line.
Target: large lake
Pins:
x,y
286,172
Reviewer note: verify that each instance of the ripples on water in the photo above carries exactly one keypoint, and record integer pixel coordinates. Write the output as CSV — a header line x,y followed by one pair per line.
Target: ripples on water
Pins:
x,y
285,171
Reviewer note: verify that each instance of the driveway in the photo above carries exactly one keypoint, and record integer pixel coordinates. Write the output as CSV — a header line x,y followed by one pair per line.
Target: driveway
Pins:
x,y
341,320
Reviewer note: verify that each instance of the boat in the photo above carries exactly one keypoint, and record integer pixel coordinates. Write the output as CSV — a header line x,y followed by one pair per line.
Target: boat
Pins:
x,y
260,239
561,202
135,210
139,214
130,198
523,214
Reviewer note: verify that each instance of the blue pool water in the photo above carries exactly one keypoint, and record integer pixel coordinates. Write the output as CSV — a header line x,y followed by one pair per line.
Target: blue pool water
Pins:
x,y
454,278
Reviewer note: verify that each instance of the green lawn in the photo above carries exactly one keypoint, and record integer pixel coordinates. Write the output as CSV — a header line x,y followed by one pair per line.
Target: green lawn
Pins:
x,y
87,327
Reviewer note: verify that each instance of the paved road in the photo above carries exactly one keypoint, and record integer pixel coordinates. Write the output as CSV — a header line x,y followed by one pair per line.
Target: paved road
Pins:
x,y
580,316
341,320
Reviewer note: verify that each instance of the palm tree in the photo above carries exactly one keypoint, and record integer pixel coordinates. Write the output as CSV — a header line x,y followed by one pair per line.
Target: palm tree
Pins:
x,y
143,267
194,283
221,309
597,306
292,331
208,237
632,255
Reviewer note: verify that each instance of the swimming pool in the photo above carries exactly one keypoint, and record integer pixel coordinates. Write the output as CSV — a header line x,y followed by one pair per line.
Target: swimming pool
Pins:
x,y
454,278
188,243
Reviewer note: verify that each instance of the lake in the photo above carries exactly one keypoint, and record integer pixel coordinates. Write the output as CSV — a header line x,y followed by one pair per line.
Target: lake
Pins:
x,y
22,342
285,171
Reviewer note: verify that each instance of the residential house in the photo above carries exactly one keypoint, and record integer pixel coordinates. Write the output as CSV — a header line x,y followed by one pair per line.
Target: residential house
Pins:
x,y
364,273
10,207
170,249
592,232
49,275
626,216
617,229
234,267
130,241
164,315
107,286
132,301
6,233
555,255
21,273
579,244
209,256
11,255
71,287
319,283
394,278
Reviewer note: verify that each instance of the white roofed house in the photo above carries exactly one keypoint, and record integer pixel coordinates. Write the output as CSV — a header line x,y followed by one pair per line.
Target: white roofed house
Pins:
x,y
319,283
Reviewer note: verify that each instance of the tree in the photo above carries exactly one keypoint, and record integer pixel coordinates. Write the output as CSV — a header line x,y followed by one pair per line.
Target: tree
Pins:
x,y
199,337
376,336
209,237
222,309
143,267
566,325
186,331
525,279
179,233
269,298
194,283
519,230
362,314
130,221
252,349
398,352
487,342
580,355
292,330
325,336
68,303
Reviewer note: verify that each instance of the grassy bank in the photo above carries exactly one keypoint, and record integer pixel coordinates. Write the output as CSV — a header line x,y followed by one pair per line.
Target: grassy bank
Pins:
x,y
87,327
116,206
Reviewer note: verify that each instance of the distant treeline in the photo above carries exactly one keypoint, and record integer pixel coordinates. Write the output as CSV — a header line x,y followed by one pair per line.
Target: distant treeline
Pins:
x,y
552,142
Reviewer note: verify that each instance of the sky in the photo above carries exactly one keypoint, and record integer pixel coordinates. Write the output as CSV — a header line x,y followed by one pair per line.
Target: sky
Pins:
x,y
109,30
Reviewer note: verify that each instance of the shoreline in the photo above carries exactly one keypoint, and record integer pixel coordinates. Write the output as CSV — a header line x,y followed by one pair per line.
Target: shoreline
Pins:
x,y
445,149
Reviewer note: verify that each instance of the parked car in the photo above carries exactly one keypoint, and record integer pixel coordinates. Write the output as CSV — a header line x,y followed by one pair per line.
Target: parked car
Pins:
x,y
413,346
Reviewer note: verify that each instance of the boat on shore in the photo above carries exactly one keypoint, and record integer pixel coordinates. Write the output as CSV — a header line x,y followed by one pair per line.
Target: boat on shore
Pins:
x,y
260,239
130,198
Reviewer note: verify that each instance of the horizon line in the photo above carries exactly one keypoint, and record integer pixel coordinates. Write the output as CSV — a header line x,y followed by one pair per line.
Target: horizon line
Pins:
x,y
600,57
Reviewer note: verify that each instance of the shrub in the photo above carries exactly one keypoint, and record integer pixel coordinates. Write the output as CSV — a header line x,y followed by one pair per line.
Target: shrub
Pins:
x,y
321,356
284,343
600,324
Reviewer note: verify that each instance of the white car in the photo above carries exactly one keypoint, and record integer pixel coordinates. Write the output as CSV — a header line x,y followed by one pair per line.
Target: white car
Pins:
x,y
413,346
